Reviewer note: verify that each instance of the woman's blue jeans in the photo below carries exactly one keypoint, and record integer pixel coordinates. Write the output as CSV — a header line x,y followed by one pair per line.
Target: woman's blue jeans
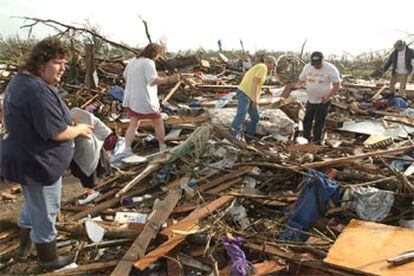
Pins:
x,y
41,206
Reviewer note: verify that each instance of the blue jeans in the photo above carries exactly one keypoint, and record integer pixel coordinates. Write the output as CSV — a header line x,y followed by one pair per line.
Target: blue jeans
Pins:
x,y
41,206
245,106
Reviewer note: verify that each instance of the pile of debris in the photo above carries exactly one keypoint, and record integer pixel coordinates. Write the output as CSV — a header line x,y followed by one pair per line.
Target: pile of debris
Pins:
x,y
214,205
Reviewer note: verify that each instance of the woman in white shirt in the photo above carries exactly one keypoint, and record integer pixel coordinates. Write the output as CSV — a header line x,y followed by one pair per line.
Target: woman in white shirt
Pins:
x,y
141,93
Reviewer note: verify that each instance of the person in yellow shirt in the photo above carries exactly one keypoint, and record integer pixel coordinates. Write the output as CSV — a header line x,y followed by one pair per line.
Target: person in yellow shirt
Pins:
x,y
248,94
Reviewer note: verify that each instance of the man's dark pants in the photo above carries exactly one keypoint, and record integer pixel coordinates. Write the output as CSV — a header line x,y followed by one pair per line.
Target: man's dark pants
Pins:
x,y
315,112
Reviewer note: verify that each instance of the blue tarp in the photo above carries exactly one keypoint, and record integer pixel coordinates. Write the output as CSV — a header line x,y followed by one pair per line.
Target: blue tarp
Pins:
x,y
310,205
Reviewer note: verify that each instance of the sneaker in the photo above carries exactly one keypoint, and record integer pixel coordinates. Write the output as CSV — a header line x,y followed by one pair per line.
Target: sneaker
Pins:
x,y
240,138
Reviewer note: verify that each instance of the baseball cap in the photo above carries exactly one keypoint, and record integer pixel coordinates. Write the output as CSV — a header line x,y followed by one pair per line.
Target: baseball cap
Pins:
x,y
316,58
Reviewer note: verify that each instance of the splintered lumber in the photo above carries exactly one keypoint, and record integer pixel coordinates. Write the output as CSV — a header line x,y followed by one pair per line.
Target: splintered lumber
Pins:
x,y
269,249
172,91
171,121
9,249
150,231
297,259
348,159
90,101
286,91
152,167
229,176
183,226
268,267
225,186
84,269
399,119
365,246
191,262
382,89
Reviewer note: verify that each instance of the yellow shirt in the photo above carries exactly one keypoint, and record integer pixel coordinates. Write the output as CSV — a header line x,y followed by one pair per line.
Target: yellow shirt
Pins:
x,y
258,71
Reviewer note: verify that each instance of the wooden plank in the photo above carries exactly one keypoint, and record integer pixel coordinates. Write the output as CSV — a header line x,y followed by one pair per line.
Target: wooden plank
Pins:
x,y
186,224
171,121
160,251
286,91
399,119
185,208
152,167
191,262
225,186
84,269
89,101
269,249
172,91
349,159
365,246
268,267
150,231
226,177
296,259
9,249
382,89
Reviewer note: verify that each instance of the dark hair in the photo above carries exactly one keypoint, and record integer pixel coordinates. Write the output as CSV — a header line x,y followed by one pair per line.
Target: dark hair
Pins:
x,y
151,51
42,52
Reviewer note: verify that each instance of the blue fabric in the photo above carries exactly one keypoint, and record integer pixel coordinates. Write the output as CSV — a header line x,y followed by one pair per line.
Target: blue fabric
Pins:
x,y
311,204
244,106
40,208
117,93
399,102
33,115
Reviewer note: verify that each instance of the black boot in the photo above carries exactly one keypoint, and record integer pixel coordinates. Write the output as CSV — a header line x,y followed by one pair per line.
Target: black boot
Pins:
x,y
26,244
48,257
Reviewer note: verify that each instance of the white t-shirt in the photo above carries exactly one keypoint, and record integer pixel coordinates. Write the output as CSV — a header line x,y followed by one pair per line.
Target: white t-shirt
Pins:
x,y
400,69
139,95
319,81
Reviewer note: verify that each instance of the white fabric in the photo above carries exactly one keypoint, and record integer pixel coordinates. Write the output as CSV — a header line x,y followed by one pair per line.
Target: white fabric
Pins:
x,y
319,81
400,69
139,95
87,150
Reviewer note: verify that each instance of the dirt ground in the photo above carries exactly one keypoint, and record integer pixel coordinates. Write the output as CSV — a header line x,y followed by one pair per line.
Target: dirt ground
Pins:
x,y
10,209
9,214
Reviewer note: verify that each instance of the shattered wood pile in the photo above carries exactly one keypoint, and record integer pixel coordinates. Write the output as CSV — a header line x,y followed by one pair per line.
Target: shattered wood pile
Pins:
x,y
215,205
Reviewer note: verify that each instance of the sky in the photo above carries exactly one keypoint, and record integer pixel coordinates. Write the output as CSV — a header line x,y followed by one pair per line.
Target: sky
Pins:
x,y
333,27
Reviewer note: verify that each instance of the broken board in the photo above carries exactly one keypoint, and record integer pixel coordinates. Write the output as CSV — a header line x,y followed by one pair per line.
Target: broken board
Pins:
x,y
366,246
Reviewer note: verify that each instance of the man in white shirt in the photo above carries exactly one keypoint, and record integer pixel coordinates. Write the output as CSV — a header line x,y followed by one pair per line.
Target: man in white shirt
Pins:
x,y
400,59
322,82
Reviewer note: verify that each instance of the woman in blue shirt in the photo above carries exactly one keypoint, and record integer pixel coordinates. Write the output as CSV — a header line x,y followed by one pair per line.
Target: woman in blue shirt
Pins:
x,y
38,147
